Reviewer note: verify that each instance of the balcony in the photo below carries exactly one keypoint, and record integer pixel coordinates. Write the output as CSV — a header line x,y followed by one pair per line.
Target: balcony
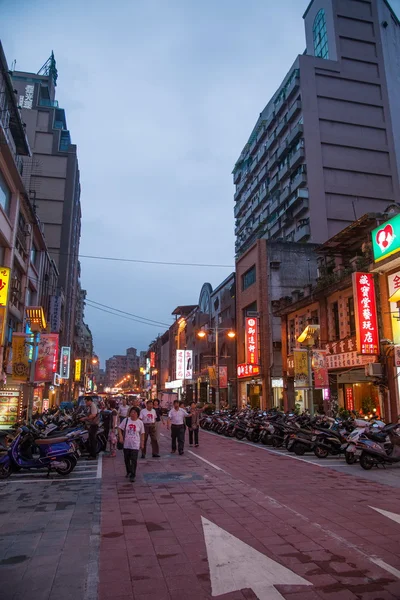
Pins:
x,y
262,174
253,165
284,171
274,183
293,86
263,194
285,193
297,158
282,150
296,133
300,207
275,228
299,180
302,232
273,161
271,141
282,125
293,110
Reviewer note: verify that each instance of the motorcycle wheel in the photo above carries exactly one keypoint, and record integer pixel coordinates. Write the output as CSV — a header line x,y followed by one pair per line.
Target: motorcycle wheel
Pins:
x,y
70,464
5,470
320,452
366,461
350,458
240,434
299,449
277,443
267,440
255,438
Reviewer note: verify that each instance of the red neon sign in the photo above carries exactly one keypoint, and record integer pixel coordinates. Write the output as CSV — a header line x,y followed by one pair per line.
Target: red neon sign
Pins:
x,y
252,341
245,370
152,359
365,309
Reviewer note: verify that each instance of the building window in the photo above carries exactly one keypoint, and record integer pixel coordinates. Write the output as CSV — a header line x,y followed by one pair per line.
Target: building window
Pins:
x,y
352,316
335,321
33,254
5,195
320,35
249,278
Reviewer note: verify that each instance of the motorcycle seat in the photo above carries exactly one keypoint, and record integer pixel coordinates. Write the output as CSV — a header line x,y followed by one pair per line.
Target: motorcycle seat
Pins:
x,y
47,441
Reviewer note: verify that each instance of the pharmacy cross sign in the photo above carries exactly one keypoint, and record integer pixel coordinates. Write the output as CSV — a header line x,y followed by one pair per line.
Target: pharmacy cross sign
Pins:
x,y
386,239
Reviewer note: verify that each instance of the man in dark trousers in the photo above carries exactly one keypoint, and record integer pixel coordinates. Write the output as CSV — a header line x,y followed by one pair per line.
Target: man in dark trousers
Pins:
x,y
176,422
93,420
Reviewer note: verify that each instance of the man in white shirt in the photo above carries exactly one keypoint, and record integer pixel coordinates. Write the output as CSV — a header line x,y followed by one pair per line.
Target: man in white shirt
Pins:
x,y
149,416
131,435
176,422
123,410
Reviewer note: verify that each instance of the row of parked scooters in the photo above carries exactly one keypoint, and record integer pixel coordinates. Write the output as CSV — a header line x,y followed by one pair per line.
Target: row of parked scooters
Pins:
x,y
53,442
372,443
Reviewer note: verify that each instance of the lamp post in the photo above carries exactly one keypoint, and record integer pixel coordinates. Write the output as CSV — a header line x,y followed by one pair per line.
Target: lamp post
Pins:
x,y
308,339
37,323
231,335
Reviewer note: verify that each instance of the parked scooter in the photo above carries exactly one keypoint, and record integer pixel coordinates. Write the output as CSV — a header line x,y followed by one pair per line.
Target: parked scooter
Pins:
x,y
375,453
27,451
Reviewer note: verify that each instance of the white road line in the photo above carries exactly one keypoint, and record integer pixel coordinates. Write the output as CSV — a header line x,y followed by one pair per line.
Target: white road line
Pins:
x,y
50,480
381,563
207,461
99,465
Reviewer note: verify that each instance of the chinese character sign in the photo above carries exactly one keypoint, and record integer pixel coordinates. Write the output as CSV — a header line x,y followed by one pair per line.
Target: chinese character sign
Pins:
x,y
188,364
78,369
55,314
223,377
320,370
20,357
252,341
46,362
152,359
301,374
365,309
4,284
180,364
349,398
394,295
65,362
245,370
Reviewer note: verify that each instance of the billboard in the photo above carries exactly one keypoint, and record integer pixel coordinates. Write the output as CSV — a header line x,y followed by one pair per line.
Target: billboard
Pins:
x,y
4,285
365,309
46,362
180,364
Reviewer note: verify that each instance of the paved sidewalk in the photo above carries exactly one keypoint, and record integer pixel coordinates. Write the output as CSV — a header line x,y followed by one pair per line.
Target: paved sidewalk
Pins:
x,y
315,522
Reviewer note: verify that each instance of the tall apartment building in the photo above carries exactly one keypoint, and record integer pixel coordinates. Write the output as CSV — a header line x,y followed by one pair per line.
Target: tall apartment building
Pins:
x,y
326,148
52,180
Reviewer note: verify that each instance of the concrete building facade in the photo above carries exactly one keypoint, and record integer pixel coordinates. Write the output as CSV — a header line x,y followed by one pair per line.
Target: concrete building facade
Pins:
x,y
325,150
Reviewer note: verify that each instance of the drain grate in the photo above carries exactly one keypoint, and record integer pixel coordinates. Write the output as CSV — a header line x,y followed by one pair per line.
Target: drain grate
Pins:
x,y
171,477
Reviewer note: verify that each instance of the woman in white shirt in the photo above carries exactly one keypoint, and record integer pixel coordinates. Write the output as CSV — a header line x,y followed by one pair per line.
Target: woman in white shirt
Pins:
x,y
123,410
131,435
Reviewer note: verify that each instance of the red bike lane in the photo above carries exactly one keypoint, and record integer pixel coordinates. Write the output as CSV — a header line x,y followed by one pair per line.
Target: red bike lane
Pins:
x,y
233,521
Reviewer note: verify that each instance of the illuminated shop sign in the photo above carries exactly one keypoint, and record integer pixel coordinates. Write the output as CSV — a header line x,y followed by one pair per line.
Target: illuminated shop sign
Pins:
x,y
252,341
245,370
386,239
365,309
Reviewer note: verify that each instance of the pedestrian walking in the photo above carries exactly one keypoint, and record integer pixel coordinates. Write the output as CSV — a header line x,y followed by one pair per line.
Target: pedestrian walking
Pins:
x,y
131,436
123,410
112,436
149,416
92,420
176,422
158,410
194,425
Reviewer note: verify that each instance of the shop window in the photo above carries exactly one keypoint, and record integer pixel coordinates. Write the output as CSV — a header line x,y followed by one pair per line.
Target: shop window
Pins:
x,y
352,316
5,195
33,255
249,278
335,321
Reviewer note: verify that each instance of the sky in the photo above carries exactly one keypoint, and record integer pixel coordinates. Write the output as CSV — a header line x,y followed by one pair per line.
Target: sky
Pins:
x,y
160,98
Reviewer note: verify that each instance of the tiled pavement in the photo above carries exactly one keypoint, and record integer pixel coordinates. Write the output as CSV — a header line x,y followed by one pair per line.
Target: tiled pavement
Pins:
x,y
316,522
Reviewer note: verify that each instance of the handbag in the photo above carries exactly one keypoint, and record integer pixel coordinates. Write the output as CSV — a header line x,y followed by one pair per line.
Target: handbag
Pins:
x,y
120,445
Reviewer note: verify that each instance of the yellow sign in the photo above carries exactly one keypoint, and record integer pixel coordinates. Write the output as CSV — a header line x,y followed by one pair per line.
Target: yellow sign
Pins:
x,y
4,285
301,373
212,376
20,357
78,369
2,323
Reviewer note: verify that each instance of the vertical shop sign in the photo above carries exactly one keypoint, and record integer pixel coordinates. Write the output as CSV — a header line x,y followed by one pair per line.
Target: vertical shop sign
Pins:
x,y
65,362
349,398
251,341
394,297
212,376
188,364
46,362
365,309
301,374
78,369
20,357
4,285
2,324
55,314
180,364
152,359
223,377
320,370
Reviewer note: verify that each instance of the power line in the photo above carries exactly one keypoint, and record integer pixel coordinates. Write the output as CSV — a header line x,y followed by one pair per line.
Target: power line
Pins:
x,y
128,313
123,316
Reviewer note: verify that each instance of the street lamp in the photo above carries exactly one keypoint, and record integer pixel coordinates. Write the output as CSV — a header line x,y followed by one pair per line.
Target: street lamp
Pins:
x,y
37,323
231,335
307,338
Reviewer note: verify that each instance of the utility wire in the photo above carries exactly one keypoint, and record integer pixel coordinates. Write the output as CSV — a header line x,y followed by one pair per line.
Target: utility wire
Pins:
x,y
123,316
128,313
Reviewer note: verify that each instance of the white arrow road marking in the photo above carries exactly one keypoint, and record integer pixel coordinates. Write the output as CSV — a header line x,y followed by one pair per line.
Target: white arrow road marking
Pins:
x,y
387,514
234,566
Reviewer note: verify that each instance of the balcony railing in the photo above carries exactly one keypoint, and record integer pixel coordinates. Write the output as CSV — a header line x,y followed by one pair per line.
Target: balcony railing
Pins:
x,y
302,232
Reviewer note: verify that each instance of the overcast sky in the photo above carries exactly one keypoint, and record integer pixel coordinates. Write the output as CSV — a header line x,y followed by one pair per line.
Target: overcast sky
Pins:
x,y
160,98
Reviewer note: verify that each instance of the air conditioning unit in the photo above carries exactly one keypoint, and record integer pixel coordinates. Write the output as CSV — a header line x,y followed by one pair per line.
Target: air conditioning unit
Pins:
x,y
373,370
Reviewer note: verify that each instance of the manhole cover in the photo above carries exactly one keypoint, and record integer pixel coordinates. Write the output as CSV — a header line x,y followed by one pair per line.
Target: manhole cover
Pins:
x,y
171,477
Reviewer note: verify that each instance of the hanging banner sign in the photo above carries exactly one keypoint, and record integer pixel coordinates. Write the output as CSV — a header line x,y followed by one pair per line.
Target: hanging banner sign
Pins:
x,y
65,359
223,377
180,364
152,359
301,374
251,341
320,370
46,362
365,310
20,357
55,314
188,364
4,285
212,376
78,369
